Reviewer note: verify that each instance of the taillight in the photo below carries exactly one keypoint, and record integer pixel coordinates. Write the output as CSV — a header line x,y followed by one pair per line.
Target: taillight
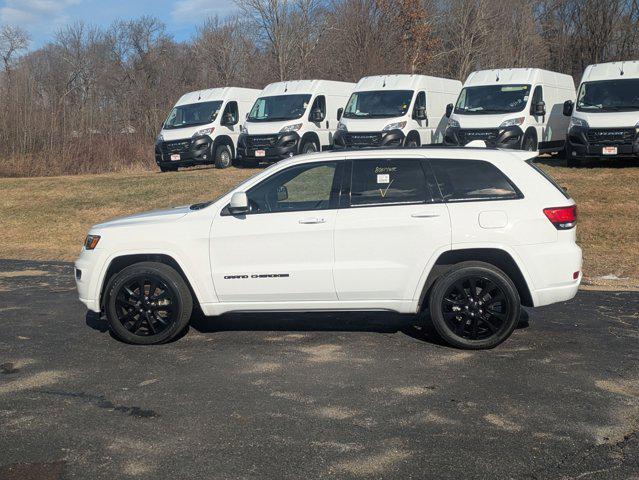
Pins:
x,y
563,218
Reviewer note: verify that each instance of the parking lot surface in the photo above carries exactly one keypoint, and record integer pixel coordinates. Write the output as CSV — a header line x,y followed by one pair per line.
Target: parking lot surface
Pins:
x,y
342,395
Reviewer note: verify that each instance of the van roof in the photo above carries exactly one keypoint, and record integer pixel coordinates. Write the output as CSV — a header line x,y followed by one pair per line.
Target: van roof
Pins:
x,y
508,76
611,70
293,87
408,82
212,94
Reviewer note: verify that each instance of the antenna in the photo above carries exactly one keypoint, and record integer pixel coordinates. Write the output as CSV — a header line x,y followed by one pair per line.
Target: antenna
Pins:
x,y
497,79
286,87
384,82
621,72
199,95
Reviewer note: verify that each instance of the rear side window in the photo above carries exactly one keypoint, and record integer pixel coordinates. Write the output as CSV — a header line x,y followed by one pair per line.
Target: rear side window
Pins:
x,y
467,180
548,177
387,181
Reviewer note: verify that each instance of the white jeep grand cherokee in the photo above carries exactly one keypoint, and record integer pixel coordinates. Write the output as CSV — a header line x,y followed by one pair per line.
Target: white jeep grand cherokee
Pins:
x,y
469,234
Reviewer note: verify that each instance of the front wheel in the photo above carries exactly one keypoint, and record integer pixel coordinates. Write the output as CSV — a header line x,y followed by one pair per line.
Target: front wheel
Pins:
x,y
474,306
223,158
310,147
529,144
148,303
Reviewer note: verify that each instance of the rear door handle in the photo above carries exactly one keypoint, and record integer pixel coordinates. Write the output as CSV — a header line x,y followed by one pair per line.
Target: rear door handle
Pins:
x,y
310,221
425,215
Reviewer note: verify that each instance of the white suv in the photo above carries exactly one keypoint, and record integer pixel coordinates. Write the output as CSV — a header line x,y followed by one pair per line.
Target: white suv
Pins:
x,y
469,234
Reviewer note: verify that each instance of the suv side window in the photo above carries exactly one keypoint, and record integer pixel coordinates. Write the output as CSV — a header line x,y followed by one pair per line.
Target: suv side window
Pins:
x,y
388,181
313,186
467,180
231,114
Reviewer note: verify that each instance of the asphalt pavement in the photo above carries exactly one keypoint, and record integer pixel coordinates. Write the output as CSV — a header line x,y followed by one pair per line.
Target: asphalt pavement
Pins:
x,y
313,396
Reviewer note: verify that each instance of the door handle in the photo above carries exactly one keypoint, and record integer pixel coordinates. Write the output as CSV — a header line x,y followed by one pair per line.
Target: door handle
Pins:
x,y
425,215
311,221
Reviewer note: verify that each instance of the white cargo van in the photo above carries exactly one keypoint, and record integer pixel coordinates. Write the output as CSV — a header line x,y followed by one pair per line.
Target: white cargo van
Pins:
x,y
292,117
203,127
605,122
517,108
396,110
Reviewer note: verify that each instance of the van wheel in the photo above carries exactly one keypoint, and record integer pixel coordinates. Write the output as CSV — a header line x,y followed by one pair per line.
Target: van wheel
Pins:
x,y
412,143
223,158
474,306
529,143
148,303
310,147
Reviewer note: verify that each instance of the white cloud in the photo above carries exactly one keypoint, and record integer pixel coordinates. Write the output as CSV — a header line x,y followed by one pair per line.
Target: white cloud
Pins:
x,y
36,16
194,11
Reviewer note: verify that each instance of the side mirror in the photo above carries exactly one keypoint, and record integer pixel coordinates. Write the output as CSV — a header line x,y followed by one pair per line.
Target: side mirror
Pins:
x,y
340,111
568,108
282,193
239,203
539,109
420,113
449,110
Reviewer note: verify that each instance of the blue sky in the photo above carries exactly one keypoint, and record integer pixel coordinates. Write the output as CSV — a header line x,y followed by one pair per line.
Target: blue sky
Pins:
x,y
42,18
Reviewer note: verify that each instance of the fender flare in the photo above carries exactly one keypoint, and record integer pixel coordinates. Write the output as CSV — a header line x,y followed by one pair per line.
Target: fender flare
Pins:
x,y
223,140
309,136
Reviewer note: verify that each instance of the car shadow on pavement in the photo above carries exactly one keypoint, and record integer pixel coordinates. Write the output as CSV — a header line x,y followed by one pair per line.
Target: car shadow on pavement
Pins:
x,y
417,327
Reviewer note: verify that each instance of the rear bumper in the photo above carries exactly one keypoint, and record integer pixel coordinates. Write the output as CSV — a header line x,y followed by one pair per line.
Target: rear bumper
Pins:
x,y
390,138
192,151
551,268
578,145
275,147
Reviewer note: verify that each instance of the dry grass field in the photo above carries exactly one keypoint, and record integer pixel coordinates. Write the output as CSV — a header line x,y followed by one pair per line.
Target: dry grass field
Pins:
x,y
47,218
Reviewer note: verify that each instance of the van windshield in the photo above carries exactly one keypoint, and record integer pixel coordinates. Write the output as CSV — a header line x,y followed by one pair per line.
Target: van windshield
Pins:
x,y
487,99
279,107
193,115
378,104
609,95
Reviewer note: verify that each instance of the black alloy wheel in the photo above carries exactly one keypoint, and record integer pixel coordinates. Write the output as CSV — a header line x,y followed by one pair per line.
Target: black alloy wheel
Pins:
x,y
148,303
475,306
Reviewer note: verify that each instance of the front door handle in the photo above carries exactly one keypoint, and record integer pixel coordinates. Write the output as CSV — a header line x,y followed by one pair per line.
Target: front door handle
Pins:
x,y
310,221
425,215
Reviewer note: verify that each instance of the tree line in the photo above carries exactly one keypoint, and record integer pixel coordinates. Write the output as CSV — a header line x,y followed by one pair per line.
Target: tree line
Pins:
x,y
93,99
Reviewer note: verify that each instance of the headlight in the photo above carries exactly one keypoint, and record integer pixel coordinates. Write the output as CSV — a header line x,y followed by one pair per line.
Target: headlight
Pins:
x,y
244,130
452,123
342,127
204,131
394,126
577,122
91,241
160,138
511,122
291,128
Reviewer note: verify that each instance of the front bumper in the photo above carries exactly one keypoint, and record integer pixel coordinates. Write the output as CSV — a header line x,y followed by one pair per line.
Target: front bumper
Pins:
x,y
191,151
507,137
388,138
86,278
584,142
274,147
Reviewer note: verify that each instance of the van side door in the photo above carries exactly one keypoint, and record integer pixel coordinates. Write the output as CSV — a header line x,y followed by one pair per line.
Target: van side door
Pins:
x,y
539,121
390,226
319,126
230,121
422,125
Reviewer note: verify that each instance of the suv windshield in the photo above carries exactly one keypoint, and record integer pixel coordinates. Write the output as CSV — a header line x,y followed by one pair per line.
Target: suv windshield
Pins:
x,y
193,114
378,104
279,107
609,95
492,99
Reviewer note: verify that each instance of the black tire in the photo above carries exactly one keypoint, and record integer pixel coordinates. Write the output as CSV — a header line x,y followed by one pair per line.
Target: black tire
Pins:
x,y
411,143
148,303
572,162
479,320
164,169
529,144
309,147
223,156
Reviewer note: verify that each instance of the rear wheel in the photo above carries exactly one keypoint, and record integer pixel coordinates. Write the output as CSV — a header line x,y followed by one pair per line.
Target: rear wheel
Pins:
x,y
223,157
474,306
148,303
